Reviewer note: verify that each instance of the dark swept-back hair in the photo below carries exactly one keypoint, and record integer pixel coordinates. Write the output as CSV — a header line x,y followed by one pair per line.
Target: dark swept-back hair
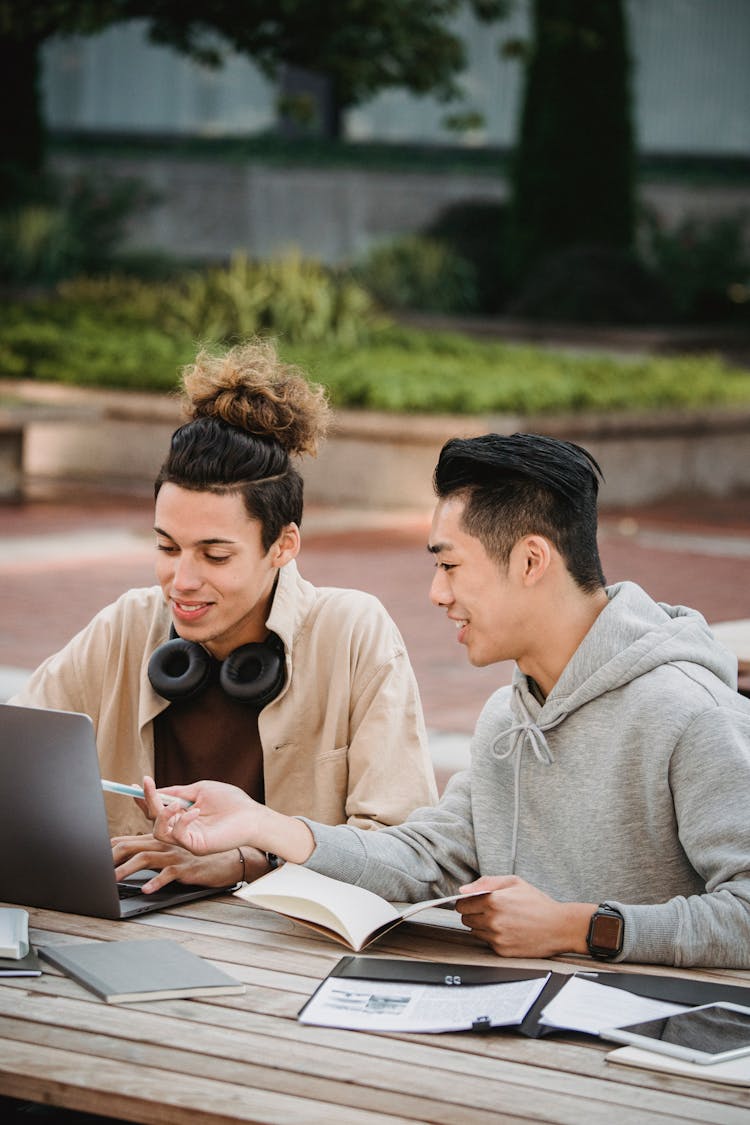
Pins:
x,y
208,455
249,414
524,484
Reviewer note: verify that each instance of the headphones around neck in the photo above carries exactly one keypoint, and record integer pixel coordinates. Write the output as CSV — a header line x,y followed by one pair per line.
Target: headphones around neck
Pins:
x,y
255,673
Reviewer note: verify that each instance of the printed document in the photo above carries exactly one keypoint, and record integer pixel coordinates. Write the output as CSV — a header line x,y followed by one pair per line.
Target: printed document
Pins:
x,y
363,1005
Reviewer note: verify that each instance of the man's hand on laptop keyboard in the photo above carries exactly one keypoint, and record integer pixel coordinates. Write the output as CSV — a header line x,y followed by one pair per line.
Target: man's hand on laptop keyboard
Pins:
x,y
171,862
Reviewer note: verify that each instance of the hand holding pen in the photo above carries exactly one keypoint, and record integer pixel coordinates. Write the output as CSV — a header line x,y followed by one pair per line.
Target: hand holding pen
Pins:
x,y
137,792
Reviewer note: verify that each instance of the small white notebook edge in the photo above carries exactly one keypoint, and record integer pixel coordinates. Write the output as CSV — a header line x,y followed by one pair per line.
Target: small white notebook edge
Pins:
x,y
14,932
735,1072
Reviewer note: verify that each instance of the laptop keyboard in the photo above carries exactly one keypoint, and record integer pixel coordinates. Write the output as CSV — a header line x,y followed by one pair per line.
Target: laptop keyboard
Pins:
x,y
128,890
132,888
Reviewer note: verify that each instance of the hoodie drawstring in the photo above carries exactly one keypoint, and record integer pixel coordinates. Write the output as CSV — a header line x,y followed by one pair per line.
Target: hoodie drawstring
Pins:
x,y
525,732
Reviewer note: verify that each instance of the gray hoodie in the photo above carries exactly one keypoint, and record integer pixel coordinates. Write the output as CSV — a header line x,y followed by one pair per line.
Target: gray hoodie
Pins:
x,y
629,784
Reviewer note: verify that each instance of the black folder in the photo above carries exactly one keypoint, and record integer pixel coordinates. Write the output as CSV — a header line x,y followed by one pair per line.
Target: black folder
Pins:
x,y
677,990
447,974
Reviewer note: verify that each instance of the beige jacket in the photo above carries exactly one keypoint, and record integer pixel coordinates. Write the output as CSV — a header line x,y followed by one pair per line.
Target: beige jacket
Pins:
x,y
344,741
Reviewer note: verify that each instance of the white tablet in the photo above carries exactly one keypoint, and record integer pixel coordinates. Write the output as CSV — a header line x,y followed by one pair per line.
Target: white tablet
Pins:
x,y
710,1033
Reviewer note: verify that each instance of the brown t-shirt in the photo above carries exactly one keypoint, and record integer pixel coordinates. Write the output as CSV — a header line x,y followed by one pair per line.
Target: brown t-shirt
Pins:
x,y
210,737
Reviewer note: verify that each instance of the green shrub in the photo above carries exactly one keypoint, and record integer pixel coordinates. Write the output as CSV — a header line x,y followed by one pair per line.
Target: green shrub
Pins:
x,y
704,263
97,208
293,299
415,272
74,226
149,265
36,245
119,299
120,331
593,285
476,230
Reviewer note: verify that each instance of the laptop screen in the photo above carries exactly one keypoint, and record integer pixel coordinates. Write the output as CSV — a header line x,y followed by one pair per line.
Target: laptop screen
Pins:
x,y
54,837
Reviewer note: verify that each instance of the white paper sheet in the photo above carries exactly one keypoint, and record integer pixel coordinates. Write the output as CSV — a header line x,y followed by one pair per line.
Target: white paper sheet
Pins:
x,y
584,1005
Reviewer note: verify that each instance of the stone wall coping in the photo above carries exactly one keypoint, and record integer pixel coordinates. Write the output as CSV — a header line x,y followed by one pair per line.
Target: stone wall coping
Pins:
x,y
61,400
29,395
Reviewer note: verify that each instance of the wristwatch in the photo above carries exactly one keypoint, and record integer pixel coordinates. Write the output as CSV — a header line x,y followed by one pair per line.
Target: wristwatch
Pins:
x,y
606,933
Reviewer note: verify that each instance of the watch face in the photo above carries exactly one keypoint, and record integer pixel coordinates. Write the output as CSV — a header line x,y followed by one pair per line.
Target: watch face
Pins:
x,y
606,933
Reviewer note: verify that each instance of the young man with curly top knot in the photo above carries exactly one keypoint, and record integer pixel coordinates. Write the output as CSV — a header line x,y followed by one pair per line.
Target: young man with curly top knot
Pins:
x,y
234,667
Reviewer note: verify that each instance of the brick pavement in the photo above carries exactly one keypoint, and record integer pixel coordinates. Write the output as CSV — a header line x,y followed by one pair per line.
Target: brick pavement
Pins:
x,y
62,561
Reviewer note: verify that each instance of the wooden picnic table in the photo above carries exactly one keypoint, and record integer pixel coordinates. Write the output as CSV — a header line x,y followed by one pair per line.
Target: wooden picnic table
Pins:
x,y
736,636
246,1058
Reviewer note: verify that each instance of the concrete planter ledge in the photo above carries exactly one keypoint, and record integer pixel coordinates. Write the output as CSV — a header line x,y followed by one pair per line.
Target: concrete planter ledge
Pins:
x,y
95,402
378,460
420,428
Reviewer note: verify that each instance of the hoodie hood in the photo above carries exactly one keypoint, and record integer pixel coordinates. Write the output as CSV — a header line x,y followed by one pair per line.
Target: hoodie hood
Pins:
x,y
632,636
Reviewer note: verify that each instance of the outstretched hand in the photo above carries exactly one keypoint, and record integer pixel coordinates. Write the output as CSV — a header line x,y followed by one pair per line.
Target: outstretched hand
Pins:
x,y
221,816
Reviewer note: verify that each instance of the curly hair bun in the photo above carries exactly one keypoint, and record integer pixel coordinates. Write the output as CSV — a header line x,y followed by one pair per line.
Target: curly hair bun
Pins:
x,y
250,388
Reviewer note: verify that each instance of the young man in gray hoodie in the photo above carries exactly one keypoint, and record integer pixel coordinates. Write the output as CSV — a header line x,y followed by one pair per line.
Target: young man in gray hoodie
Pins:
x,y
607,807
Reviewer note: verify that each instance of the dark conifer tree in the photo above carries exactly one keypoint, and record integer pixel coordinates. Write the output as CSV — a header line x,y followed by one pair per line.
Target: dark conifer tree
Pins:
x,y
573,180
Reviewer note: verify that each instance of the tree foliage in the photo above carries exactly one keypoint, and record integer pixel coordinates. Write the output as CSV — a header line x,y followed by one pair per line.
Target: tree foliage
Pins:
x,y
360,46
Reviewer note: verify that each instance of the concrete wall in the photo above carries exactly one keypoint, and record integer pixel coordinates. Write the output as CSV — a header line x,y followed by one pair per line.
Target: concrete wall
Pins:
x,y
373,460
207,209
382,461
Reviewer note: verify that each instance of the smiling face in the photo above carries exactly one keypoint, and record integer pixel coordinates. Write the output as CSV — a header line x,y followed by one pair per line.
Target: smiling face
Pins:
x,y
483,599
212,568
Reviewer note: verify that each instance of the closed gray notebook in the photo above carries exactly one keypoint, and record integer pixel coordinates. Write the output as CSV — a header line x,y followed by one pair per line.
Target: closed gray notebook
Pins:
x,y
122,971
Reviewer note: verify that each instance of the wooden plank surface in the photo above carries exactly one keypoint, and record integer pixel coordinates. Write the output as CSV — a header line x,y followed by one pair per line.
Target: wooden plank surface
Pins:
x,y
246,1058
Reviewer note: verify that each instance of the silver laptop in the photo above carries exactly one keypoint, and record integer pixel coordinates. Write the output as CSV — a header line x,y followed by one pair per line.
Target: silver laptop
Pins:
x,y
54,841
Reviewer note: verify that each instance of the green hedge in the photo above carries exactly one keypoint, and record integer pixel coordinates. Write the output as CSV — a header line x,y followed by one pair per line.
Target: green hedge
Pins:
x,y
90,350
398,370
406,371
121,332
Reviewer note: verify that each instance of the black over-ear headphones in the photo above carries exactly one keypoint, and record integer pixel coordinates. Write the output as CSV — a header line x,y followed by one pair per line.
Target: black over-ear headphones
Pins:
x,y
256,673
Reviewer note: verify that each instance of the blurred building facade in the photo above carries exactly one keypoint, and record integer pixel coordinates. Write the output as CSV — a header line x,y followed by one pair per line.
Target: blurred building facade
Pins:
x,y
691,85
691,98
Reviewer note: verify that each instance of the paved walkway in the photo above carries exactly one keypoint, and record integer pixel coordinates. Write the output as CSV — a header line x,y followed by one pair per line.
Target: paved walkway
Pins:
x,y
62,560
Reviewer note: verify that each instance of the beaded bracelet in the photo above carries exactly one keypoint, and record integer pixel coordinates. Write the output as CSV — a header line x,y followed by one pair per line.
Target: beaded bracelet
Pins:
x,y
242,861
